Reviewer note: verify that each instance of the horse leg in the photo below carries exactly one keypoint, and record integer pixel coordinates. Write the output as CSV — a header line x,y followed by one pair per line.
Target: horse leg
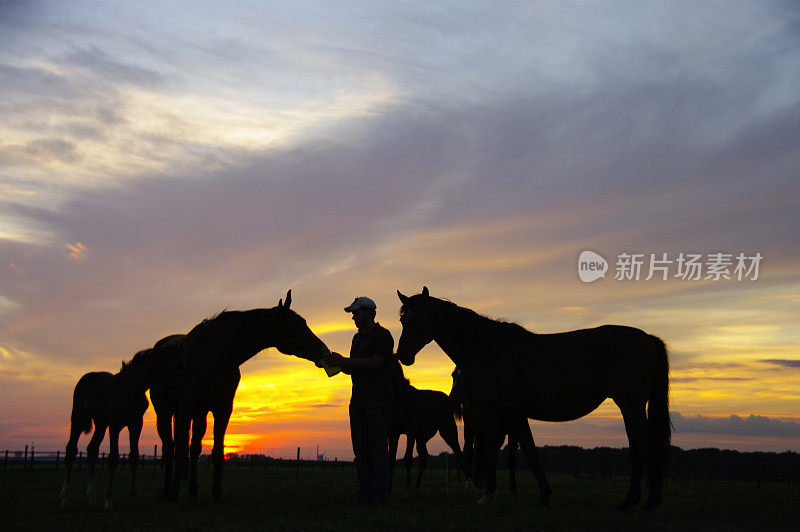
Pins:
x,y
181,435
422,459
91,458
394,437
655,471
511,462
134,431
113,460
521,432
164,426
449,433
198,431
635,417
69,459
491,440
479,467
469,455
409,460
221,418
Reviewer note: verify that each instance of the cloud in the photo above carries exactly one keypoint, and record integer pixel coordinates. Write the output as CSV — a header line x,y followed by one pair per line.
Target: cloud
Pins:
x,y
720,379
793,364
752,425
101,63
77,250
39,150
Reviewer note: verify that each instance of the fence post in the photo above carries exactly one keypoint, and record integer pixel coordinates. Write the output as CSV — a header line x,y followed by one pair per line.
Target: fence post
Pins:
x,y
80,460
446,474
297,473
758,471
58,455
32,449
102,461
5,461
155,455
25,461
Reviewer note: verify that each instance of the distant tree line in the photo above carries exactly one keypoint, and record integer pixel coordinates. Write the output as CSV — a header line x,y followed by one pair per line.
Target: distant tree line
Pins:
x,y
603,462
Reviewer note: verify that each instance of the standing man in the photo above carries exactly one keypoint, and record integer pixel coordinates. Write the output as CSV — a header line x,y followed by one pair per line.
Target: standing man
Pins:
x,y
371,402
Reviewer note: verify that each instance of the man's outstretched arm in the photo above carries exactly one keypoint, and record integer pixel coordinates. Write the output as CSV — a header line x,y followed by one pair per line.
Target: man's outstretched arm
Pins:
x,y
347,363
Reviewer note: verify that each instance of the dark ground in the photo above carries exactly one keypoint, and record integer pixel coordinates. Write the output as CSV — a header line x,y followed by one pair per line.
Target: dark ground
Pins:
x,y
321,499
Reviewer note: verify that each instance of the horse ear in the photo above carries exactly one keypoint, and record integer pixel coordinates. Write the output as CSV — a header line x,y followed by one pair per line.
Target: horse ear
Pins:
x,y
288,299
403,299
280,303
425,291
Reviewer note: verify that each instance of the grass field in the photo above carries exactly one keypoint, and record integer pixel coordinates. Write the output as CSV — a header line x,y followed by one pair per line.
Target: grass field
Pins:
x,y
321,499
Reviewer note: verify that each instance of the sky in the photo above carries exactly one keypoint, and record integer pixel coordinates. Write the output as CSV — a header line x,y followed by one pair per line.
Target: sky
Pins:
x,y
163,161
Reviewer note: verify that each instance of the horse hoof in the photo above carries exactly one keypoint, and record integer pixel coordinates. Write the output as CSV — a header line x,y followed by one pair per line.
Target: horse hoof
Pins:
x,y
108,504
471,486
486,499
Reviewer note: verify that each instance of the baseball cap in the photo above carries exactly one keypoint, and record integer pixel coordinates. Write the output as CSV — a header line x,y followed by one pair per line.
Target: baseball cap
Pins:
x,y
361,302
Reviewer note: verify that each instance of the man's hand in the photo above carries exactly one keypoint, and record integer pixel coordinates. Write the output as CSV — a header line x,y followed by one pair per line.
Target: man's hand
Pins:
x,y
334,359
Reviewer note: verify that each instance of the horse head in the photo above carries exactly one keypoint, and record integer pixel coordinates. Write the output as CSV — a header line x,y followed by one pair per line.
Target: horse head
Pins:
x,y
294,337
417,328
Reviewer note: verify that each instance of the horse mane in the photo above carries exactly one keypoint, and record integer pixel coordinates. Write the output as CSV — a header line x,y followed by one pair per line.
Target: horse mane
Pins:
x,y
137,360
232,320
398,368
476,321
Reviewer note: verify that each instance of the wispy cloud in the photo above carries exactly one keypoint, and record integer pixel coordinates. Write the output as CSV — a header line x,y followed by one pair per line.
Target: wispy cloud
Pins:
x,y
77,250
793,364
752,425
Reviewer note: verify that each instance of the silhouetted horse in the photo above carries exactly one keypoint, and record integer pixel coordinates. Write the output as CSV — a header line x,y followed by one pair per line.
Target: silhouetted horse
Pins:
x,y
472,445
211,355
164,396
419,414
513,374
112,402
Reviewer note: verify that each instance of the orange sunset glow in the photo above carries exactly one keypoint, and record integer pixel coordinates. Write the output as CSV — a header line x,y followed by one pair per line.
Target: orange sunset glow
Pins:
x,y
155,171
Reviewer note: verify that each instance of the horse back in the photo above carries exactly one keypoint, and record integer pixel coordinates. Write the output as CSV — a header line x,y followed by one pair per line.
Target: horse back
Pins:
x,y
93,387
604,348
431,408
566,375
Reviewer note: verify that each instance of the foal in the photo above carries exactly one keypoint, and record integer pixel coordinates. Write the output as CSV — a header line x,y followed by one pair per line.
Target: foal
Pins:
x,y
419,414
112,402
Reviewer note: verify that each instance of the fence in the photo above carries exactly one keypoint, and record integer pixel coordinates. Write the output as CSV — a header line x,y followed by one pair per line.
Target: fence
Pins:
x,y
29,460
703,464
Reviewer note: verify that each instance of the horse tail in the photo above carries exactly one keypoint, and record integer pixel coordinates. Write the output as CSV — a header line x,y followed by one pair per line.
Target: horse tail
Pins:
x,y
80,418
659,426
456,407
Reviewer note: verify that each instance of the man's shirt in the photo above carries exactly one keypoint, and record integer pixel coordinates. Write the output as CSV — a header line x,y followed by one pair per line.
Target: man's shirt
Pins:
x,y
372,384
